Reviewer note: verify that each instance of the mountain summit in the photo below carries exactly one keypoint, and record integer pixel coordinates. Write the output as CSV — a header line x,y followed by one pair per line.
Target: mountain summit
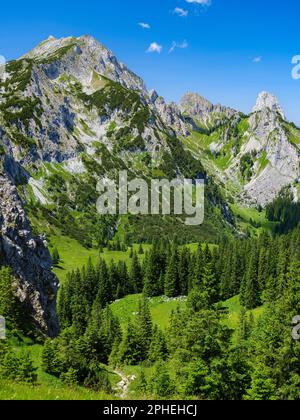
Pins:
x,y
268,100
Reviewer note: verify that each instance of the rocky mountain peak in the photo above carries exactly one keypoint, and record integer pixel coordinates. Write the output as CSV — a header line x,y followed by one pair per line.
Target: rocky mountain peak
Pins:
x,y
82,57
266,100
203,112
194,104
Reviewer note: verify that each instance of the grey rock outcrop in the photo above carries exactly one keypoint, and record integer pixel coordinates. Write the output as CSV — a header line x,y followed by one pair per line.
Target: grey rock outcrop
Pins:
x,y
203,112
276,158
29,259
267,100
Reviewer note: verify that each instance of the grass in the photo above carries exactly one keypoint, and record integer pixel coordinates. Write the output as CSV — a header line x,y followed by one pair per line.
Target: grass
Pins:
x,y
16,391
251,219
293,133
49,387
263,162
160,308
73,255
234,310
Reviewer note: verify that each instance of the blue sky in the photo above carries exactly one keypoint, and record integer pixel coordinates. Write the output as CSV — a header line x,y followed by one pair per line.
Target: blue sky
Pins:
x,y
226,50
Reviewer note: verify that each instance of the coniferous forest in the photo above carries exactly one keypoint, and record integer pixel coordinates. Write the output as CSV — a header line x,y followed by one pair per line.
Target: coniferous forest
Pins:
x,y
198,355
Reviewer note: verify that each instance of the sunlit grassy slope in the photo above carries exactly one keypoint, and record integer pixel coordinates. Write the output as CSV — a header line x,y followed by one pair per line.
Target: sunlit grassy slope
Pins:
x,y
234,310
48,387
15,391
73,255
162,307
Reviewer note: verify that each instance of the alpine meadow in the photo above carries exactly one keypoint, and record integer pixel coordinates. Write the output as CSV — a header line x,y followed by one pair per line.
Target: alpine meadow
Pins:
x,y
141,304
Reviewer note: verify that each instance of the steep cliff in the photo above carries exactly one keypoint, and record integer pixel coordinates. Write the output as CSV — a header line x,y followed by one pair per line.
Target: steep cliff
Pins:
x,y
28,257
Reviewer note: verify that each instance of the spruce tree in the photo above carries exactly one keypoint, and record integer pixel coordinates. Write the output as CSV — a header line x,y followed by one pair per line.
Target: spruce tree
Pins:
x,y
130,349
158,348
251,293
153,268
79,305
135,275
172,288
131,252
209,286
104,295
141,250
55,257
114,281
144,328
9,304
199,264
183,272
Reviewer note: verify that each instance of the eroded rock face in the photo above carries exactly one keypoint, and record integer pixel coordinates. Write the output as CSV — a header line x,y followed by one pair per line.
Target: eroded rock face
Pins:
x,y
264,141
204,112
84,55
195,105
269,101
29,259
171,115
269,138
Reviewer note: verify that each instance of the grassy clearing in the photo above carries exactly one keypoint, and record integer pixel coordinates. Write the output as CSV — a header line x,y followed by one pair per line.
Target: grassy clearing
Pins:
x,y
74,255
160,307
234,310
251,219
161,311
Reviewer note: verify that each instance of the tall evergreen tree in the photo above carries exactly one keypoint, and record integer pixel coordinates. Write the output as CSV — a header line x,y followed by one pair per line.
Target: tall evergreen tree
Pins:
x,y
251,294
199,264
104,295
153,268
136,277
9,304
183,271
172,288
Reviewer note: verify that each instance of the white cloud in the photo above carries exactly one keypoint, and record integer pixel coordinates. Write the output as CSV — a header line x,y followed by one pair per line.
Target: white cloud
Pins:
x,y
201,2
183,45
257,59
154,47
144,25
180,12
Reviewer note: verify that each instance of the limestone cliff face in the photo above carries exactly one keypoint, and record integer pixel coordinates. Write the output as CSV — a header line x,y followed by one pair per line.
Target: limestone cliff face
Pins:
x,y
259,153
28,257
270,138
204,112
266,100
66,94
